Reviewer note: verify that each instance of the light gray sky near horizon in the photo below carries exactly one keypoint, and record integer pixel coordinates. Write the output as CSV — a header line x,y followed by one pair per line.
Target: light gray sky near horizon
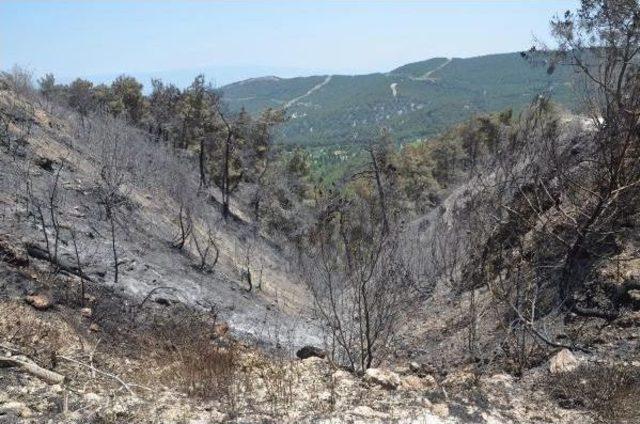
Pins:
x,y
233,40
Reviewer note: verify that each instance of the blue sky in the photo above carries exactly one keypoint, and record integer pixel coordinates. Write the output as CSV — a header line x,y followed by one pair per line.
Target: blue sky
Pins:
x,y
232,40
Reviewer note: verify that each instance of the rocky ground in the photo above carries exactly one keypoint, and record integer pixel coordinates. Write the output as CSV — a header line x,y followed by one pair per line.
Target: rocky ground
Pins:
x,y
159,364
103,386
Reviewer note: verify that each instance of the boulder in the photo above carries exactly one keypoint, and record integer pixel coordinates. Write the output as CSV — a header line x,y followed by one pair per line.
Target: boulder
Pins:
x,y
86,312
382,377
342,377
367,412
415,383
411,382
563,361
311,351
39,301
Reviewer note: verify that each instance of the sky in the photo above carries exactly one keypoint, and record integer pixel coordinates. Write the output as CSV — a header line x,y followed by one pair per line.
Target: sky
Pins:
x,y
234,40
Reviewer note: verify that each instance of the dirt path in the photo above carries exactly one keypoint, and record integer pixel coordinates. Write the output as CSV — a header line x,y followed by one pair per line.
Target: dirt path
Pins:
x,y
427,75
308,93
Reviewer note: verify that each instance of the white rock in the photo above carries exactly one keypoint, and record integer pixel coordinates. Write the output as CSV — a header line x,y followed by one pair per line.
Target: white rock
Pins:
x,y
92,398
563,361
385,378
16,408
441,410
367,412
413,382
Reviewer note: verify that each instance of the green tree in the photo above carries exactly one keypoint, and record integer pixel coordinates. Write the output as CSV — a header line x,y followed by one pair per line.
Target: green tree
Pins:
x,y
47,86
80,97
164,104
127,98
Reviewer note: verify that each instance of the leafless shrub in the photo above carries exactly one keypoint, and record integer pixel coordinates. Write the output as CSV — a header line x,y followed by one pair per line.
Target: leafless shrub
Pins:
x,y
280,377
19,80
48,205
362,298
185,225
204,243
16,124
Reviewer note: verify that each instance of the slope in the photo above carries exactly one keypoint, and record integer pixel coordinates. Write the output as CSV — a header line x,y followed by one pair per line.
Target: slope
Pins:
x,y
54,184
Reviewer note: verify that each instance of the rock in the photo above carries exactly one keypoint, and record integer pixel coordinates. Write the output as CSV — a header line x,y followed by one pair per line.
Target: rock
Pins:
x,y
500,379
563,361
94,327
411,382
56,388
385,378
86,312
39,301
220,329
309,351
92,398
415,367
458,379
313,361
16,408
441,410
634,297
340,375
367,412
343,380
324,396
402,370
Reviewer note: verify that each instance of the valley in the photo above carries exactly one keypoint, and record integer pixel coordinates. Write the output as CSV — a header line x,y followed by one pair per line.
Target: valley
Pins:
x,y
454,241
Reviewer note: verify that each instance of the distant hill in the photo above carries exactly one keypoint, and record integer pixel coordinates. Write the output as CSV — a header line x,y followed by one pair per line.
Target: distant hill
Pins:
x,y
414,101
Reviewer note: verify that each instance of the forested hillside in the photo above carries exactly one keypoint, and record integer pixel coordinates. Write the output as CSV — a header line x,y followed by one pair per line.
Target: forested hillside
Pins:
x,y
413,101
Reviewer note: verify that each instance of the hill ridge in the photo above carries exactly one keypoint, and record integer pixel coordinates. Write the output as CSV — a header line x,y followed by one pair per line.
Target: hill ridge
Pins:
x,y
430,96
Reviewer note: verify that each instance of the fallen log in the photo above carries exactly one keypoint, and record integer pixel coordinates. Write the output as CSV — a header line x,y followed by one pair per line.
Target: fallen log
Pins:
x,y
38,252
25,365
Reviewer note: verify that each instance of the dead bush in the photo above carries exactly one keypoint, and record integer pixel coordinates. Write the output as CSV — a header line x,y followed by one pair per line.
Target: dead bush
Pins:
x,y
186,355
610,392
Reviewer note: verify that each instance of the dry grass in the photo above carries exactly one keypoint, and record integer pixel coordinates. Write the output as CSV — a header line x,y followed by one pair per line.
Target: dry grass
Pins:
x,y
612,393
40,335
183,353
